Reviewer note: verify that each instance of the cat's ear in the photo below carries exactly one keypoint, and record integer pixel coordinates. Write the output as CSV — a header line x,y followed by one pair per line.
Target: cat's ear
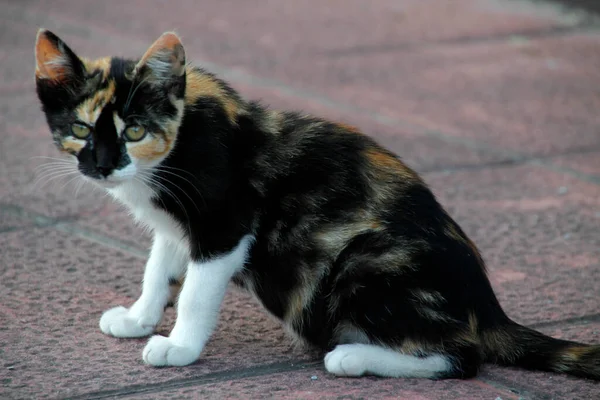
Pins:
x,y
163,61
56,63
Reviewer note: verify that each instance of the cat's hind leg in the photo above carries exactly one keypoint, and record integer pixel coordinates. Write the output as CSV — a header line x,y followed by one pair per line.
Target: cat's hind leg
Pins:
x,y
165,265
359,359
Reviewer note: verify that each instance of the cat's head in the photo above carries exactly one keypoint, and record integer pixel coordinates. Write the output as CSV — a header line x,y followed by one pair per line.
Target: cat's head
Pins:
x,y
118,118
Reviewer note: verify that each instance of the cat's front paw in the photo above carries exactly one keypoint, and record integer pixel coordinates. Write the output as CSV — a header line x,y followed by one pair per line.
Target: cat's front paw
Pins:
x,y
161,352
119,322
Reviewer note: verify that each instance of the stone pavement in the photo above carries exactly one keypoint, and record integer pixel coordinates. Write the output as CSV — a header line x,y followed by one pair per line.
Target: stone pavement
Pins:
x,y
495,102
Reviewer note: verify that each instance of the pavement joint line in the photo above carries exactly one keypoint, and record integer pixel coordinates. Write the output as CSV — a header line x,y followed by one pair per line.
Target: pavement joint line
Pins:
x,y
69,225
213,377
595,179
571,320
105,240
38,219
532,34
525,390
252,80
520,393
507,162
8,229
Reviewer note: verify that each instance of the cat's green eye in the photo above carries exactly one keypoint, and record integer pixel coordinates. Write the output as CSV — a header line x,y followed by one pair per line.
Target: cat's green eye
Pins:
x,y
80,131
135,133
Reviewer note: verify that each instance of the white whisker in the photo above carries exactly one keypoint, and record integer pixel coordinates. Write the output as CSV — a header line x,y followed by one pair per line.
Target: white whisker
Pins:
x,y
160,168
154,181
51,177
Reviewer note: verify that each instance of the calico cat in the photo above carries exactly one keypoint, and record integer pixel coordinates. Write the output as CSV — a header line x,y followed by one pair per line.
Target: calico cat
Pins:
x,y
333,234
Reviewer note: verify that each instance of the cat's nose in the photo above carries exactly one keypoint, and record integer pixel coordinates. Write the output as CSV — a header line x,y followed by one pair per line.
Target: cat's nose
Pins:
x,y
104,171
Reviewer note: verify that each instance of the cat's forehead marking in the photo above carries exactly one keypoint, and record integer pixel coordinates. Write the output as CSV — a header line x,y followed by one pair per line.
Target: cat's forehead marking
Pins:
x,y
90,109
101,64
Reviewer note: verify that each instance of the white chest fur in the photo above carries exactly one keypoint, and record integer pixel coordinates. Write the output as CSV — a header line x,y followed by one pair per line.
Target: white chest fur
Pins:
x,y
138,198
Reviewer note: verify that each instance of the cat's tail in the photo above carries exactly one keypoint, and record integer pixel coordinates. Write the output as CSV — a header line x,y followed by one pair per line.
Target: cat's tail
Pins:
x,y
514,344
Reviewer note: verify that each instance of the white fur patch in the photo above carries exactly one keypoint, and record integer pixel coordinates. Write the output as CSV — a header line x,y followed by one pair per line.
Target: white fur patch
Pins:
x,y
119,123
197,309
137,196
361,359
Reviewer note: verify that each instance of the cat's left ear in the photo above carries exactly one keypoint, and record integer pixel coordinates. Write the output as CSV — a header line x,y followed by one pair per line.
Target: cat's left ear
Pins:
x,y
163,61
56,63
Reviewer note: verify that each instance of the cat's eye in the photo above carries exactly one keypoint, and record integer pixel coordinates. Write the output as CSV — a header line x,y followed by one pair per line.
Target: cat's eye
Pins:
x,y
80,131
135,133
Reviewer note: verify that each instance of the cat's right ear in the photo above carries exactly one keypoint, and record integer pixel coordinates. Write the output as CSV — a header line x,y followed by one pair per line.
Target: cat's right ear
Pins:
x,y
163,61
56,63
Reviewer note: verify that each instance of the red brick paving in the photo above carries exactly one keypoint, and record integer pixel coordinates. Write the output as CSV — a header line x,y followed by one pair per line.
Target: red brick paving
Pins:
x,y
495,102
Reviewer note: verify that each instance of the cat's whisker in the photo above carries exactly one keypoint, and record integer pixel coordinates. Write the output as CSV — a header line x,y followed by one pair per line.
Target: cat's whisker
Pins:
x,y
47,167
52,177
154,180
81,183
51,171
68,182
183,191
188,181
51,158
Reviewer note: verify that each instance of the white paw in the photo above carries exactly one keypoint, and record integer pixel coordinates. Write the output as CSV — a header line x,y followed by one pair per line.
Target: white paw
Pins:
x,y
345,360
161,351
119,322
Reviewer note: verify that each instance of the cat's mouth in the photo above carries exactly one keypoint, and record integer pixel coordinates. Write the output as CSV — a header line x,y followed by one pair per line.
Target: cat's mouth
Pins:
x,y
109,178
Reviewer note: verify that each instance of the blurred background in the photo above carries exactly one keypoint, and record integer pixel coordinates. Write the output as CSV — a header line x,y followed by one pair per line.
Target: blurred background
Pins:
x,y
495,102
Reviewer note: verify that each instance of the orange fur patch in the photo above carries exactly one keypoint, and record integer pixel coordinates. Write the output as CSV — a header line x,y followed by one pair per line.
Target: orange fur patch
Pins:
x,y
90,109
386,161
386,165
574,353
199,85
348,128
152,148
49,60
102,64
72,146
